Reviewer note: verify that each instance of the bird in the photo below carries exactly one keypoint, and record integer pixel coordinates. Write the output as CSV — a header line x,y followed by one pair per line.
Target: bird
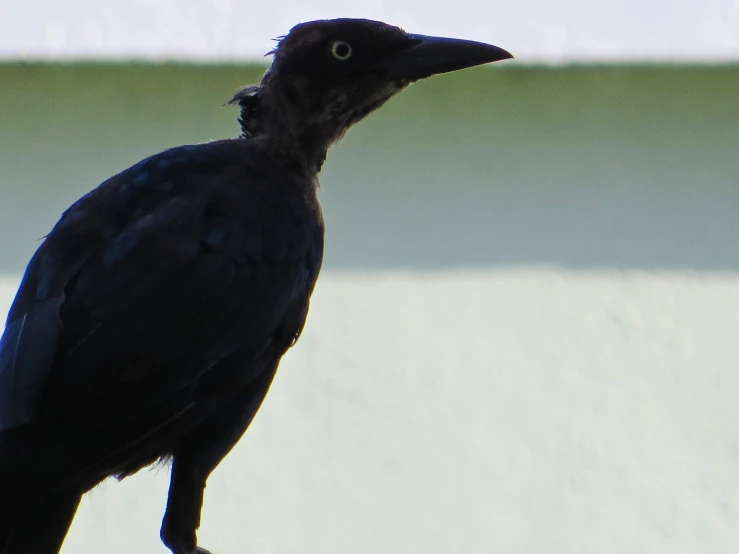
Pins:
x,y
150,322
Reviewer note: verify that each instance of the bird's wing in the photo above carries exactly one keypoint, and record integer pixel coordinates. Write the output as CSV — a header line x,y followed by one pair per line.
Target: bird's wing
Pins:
x,y
150,280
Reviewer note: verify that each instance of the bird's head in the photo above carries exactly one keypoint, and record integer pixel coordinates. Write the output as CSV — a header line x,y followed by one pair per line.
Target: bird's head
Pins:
x,y
327,75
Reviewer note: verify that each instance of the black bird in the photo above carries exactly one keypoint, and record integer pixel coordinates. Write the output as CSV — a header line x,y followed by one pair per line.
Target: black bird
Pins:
x,y
150,322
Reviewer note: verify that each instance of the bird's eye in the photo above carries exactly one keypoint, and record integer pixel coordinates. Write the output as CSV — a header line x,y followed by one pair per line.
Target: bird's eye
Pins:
x,y
341,50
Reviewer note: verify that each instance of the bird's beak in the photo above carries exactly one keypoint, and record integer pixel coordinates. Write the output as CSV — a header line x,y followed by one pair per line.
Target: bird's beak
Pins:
x,y
428,56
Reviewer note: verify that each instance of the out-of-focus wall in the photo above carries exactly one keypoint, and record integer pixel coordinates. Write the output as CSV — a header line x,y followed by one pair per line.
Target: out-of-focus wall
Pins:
x,y
524,339
578,167
218,30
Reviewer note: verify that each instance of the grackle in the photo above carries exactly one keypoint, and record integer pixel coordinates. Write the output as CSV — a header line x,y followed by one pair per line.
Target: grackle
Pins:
x,y
151,320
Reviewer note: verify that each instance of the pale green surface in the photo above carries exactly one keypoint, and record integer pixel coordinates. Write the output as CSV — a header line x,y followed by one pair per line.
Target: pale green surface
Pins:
x,y
615,167
486,412
502,410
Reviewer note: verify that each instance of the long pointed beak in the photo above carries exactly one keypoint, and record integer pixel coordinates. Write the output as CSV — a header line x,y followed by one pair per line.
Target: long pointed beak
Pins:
x,y
428,56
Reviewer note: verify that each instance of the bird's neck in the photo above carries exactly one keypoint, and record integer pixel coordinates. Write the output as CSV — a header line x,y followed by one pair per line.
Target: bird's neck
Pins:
x,y
301,143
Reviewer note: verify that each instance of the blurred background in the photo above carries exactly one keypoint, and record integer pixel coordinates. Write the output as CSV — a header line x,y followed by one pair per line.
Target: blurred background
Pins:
x,y
524,339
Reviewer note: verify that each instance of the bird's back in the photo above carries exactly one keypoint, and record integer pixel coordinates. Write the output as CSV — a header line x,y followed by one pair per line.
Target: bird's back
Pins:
x,y
156,298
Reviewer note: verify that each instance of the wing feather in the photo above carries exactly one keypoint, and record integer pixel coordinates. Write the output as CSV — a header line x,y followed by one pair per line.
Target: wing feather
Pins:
x,y
152,280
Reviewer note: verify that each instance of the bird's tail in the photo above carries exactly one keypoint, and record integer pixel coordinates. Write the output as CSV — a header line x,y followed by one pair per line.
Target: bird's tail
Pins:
x,y
40,530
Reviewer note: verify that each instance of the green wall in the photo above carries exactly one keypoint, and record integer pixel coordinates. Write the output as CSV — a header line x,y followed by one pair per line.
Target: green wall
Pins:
x,y
580,166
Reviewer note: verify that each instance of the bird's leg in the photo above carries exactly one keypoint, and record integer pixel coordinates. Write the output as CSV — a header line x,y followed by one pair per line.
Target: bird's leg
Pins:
x,y
182,517
197,456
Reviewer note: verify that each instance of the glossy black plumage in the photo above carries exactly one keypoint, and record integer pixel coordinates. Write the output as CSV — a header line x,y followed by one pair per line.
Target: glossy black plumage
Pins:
x,y
150,322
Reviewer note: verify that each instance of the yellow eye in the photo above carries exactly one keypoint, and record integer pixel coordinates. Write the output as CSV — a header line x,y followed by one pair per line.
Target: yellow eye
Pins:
x,y
341,50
